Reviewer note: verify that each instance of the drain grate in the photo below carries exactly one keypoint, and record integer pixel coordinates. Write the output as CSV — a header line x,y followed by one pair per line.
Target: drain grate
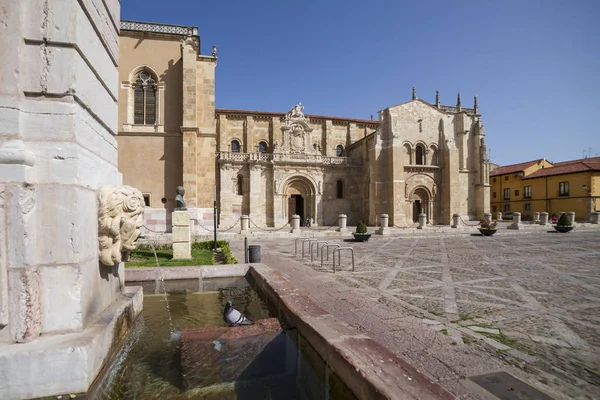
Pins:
x,y
507,387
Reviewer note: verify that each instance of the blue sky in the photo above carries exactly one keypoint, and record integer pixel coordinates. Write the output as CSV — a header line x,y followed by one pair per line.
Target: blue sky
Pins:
x,y
534,64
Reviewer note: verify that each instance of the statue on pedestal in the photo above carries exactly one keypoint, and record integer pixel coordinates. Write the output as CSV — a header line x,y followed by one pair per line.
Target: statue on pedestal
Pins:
x,y
179,200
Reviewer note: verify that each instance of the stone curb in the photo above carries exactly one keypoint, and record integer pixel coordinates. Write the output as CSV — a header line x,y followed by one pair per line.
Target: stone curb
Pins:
x,y
369,369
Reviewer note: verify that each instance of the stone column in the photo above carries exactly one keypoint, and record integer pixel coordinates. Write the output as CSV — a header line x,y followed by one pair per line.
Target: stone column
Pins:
x,y
182,247
384,220
536,217
455,220
245,224
516,224
499,216
342,219
543,218
595,217
571,217
295,223
58,110
422,221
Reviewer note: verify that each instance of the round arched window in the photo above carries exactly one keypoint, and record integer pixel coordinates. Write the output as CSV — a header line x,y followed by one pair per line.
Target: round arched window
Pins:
x,y
339,150
262,147
235,146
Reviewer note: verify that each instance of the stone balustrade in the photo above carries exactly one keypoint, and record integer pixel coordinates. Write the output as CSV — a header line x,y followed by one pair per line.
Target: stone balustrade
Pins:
x,y
286,157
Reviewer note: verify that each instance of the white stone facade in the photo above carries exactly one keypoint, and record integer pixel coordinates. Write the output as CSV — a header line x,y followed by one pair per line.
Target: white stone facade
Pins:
x,y
58,107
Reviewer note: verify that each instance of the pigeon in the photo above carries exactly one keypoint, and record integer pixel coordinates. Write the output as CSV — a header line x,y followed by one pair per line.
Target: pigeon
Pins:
x,y
233,317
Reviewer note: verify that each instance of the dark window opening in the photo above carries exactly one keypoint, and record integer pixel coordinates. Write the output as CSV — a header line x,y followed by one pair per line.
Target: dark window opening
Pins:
x,y
339,150
516,192
239,187
235,146
262,147
419,155
144,99
340,189
147,200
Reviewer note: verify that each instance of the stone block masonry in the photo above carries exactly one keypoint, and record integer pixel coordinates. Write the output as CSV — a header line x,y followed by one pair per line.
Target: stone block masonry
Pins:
x,y
58,107
181,235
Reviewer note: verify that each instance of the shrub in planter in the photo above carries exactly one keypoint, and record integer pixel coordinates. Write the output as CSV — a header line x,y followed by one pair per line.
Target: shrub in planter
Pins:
x,y
361,234
563,225
487,228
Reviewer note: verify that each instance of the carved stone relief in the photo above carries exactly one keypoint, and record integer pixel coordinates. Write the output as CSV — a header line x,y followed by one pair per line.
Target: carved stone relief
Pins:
x,y
120,215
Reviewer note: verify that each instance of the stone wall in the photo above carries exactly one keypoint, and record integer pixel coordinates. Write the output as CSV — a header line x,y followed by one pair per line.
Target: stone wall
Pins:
x,y
58,104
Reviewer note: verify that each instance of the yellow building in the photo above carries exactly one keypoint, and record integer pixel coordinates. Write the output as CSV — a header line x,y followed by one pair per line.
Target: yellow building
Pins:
x,y
542,186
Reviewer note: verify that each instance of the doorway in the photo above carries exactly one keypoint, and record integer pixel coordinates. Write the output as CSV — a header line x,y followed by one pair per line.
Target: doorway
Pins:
x,y
416,210
296,206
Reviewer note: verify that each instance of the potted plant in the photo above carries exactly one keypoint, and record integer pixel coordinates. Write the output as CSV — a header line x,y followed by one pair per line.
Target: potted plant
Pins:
x,y
361,234
487,228
563,225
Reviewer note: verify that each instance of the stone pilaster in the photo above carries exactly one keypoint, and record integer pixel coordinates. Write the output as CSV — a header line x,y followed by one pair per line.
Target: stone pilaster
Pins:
x,y
256,195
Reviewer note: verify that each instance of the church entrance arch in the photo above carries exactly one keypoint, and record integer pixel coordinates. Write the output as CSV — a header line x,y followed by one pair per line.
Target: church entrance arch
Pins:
x,y
299,198
420,203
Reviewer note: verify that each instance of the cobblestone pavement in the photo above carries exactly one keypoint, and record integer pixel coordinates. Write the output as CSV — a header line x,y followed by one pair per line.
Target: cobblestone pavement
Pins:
x,y
456,306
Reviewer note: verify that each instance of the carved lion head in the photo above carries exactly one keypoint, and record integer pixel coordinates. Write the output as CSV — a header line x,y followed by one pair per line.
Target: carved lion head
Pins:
x,y
120,215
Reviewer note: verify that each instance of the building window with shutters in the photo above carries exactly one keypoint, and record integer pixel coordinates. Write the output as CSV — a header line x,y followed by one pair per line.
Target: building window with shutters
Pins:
x,y
563,189
506,194
144,99
527,192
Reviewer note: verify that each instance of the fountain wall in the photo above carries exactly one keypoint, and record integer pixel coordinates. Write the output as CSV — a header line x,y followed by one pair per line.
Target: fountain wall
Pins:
x,y
58,121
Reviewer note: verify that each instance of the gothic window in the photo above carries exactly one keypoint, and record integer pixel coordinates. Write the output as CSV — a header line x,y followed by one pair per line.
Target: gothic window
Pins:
x,y
419,155
239,186
339,189
144,100
235,146
262,147
339,150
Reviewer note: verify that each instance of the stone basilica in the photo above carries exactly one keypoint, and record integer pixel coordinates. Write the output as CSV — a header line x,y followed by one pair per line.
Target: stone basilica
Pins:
x,y
415,158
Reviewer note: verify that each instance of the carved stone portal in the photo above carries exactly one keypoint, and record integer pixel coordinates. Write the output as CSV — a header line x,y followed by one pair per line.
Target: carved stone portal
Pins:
x,y
296,132
120,215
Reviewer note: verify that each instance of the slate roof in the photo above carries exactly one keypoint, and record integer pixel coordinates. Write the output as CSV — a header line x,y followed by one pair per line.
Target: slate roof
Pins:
x,y
511,169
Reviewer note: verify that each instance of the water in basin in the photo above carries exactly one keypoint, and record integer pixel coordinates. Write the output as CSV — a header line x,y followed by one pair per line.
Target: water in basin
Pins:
x,y
149,365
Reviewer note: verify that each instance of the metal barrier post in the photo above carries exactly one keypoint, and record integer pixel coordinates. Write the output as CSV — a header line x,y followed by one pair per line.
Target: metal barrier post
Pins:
x,y
340,256
311,247
296,244
327,251
307,241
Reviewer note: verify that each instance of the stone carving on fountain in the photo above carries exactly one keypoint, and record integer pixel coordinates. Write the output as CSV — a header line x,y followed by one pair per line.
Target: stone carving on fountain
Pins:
x,y
295,132
120,216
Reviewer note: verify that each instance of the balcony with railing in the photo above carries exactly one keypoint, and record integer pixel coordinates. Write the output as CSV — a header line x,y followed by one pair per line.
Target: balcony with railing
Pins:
x,y
287,158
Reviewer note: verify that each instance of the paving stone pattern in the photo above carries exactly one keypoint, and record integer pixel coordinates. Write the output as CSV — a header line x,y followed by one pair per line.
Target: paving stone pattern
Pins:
x,y
462,305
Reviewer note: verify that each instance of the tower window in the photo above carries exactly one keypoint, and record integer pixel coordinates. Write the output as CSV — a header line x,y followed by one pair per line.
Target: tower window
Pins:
x,y
144,100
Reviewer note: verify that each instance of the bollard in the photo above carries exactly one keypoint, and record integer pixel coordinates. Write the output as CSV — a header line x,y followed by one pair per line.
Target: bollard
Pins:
x,y
487,217
295,223
536,217
245,222
342,219
595,217
455,220
384,219
543,218
422,221
498,216
571,217
516,221
245,249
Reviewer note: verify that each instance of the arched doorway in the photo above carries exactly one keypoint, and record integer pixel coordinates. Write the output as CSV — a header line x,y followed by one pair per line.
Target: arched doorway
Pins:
x,y
299,198
419,200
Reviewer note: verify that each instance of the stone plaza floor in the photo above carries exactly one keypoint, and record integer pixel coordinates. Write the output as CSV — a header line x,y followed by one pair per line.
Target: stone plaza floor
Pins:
x,y
461,305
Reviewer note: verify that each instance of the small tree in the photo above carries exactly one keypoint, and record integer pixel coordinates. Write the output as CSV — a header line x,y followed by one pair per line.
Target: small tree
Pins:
x,y
563,221
361,227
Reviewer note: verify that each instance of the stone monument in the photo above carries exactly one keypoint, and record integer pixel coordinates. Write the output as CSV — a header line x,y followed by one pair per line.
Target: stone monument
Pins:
x,y
180,220
64,307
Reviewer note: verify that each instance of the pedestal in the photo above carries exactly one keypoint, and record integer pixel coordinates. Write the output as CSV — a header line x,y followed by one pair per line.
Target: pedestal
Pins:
x,y
543,218
595,217
422,221
455,220
182,247
245,224
384,220
516,221
295,223
342,219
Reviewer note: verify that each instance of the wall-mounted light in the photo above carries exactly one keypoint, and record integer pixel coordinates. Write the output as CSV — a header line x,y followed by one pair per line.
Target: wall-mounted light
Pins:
x,y
584,187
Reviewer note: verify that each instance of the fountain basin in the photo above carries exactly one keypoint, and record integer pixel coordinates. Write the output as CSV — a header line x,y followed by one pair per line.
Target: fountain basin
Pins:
x,y
340,357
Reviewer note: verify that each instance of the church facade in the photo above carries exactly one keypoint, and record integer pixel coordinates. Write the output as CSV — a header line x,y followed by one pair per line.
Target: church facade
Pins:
x,y
415,158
